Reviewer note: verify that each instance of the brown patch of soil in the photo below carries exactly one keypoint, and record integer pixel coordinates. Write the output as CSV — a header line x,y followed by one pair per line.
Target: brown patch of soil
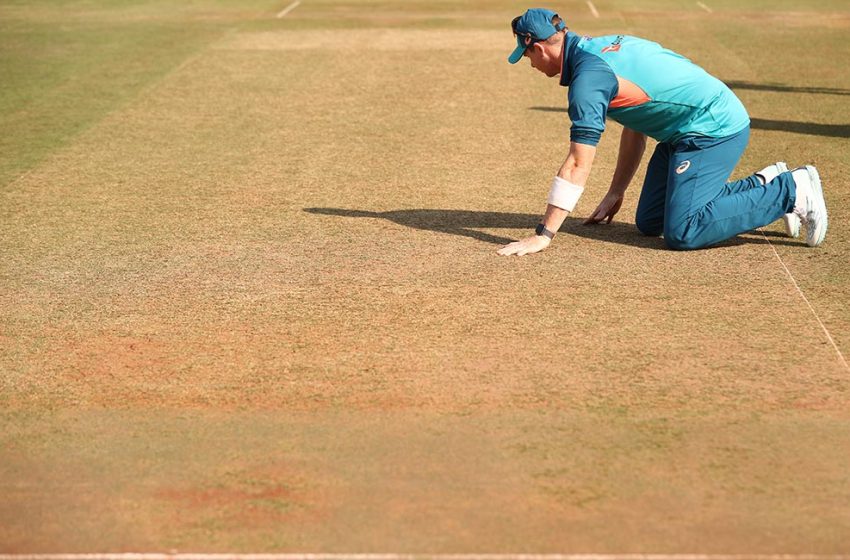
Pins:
x,y
109,356
223,497
255,497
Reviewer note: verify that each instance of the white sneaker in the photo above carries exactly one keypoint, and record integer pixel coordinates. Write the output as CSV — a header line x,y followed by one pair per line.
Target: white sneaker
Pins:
x,y
810,205
768,174
792,224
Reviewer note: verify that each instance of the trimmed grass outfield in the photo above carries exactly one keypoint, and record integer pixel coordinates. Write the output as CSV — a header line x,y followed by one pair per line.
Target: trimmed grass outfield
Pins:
x,y
250,299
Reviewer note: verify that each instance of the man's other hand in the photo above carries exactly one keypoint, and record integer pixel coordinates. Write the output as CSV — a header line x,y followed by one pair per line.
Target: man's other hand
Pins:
x,y
606,210
526,246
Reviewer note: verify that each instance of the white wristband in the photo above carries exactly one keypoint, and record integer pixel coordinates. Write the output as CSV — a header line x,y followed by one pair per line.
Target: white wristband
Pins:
x,y
564,194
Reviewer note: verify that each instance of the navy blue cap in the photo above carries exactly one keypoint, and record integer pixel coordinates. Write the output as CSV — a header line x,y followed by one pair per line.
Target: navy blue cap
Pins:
x,y
534,25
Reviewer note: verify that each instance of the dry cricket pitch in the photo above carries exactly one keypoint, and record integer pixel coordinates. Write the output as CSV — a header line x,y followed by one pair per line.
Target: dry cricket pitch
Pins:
x,y
250,299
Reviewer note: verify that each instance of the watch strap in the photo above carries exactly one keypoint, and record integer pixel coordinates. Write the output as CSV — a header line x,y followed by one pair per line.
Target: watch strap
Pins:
x,y
541,230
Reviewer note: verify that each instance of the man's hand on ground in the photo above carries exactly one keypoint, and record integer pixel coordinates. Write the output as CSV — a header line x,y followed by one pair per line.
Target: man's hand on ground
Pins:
x,y
606,210
526,246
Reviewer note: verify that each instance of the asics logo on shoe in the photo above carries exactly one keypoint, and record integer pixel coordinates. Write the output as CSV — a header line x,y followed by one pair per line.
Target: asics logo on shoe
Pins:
x,y
683,167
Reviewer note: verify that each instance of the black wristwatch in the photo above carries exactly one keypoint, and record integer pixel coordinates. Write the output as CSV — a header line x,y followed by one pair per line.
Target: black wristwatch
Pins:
x,y
541,230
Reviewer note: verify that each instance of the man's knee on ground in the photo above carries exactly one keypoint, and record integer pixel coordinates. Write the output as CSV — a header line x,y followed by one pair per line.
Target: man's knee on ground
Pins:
x,y
652,228
679,241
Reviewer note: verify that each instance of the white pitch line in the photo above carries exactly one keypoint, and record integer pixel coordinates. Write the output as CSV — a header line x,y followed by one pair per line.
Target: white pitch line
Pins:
x,y
190,556
704,7
593,9
288,9
811,308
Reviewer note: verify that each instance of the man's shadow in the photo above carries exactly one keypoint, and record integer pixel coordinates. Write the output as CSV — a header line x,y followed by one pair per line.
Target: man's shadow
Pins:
x,y
468,223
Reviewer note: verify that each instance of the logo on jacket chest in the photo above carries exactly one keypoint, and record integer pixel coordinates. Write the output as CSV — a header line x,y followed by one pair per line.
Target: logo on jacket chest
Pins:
x,y
615,46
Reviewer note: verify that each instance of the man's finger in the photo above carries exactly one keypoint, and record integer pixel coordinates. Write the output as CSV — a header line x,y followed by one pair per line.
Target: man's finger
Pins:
x,y
593,218
508,249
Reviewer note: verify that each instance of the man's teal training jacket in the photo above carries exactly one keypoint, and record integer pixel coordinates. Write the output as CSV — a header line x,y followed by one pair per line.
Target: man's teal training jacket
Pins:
x,y
644,87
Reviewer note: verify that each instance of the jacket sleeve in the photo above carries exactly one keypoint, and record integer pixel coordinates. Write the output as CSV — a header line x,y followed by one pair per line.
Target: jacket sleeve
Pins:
x,y
591,90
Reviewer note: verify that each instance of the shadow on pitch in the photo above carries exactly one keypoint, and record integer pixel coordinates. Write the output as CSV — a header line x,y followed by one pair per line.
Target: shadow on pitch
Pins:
x,y
468,223
781,88
815,129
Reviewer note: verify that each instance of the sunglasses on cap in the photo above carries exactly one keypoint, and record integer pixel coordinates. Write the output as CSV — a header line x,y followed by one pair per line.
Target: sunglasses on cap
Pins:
x,y
528,38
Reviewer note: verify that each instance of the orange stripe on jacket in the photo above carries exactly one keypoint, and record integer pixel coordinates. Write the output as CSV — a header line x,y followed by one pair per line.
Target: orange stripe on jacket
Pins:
x,y
628,95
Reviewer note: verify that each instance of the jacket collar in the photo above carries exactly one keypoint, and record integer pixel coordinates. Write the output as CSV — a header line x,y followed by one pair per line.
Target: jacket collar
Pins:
x,y
571,41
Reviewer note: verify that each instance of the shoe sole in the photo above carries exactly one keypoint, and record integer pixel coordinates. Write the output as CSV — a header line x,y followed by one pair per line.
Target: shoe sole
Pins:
x,y
792,225
792,221
816,234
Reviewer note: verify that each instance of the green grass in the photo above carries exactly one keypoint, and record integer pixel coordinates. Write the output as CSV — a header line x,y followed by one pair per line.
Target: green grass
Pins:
x,y
66,65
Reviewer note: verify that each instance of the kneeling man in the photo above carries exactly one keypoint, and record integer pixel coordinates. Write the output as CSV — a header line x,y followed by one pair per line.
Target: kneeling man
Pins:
x,y
701,127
